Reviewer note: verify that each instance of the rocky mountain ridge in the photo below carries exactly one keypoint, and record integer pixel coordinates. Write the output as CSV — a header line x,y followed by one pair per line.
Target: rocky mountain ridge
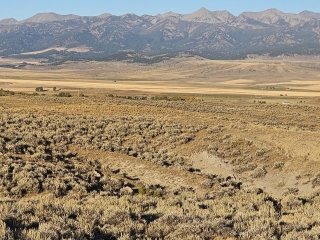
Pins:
x,y
212,34
270,16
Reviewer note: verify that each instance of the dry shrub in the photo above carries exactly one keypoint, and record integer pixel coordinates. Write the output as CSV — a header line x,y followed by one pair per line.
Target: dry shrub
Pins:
x,y
260,152
245,168
2,229
259,172
316,180
278,165
48,192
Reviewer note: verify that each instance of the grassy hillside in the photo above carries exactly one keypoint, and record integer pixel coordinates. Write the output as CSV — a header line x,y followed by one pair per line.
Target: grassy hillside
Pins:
x,y
116,168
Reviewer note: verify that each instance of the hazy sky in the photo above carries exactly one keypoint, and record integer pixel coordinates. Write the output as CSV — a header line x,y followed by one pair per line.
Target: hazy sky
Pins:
x,y
22,9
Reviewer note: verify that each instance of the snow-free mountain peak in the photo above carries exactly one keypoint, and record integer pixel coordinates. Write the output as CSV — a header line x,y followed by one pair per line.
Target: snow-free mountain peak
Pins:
x,y
274,16
311,15
49,17
212,34
169,14
8,21
206,16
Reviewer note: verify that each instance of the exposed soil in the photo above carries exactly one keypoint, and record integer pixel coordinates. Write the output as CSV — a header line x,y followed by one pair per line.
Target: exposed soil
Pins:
x,y
137,170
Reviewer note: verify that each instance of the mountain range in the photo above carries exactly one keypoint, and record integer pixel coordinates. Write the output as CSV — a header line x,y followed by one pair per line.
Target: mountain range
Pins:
x,y
211,34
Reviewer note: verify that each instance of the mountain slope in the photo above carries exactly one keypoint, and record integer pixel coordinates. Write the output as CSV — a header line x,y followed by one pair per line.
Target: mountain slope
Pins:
x,y
212,34
274,16
206,16
49,17
8,21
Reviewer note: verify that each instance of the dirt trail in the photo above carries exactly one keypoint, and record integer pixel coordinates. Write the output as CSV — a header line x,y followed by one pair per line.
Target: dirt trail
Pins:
x,y
211,164
275,182
135,169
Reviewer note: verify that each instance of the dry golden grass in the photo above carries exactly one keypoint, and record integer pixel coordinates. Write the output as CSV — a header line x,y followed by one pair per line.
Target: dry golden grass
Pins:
x,y
187,76
102,167
282,133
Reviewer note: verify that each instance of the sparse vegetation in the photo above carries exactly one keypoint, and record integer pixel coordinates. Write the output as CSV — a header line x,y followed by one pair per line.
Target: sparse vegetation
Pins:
x,y
82,172
5,92
126,166
64,94
39,89
278,165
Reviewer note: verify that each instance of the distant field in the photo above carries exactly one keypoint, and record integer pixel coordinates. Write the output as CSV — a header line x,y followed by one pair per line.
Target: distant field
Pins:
x,y
176,76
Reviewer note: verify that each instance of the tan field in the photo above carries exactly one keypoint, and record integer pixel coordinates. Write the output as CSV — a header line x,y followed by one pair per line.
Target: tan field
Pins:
x,y
183,149
178,76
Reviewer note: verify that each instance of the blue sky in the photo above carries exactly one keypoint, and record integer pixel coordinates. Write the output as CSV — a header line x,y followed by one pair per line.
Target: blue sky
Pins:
x,y
22,9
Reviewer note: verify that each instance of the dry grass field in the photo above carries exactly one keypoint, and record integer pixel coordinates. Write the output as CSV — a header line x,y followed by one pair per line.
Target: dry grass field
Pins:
x,y
184,149
175,76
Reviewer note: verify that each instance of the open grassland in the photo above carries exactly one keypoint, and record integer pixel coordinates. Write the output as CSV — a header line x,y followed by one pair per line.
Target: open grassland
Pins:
x,y
175,76
102,167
